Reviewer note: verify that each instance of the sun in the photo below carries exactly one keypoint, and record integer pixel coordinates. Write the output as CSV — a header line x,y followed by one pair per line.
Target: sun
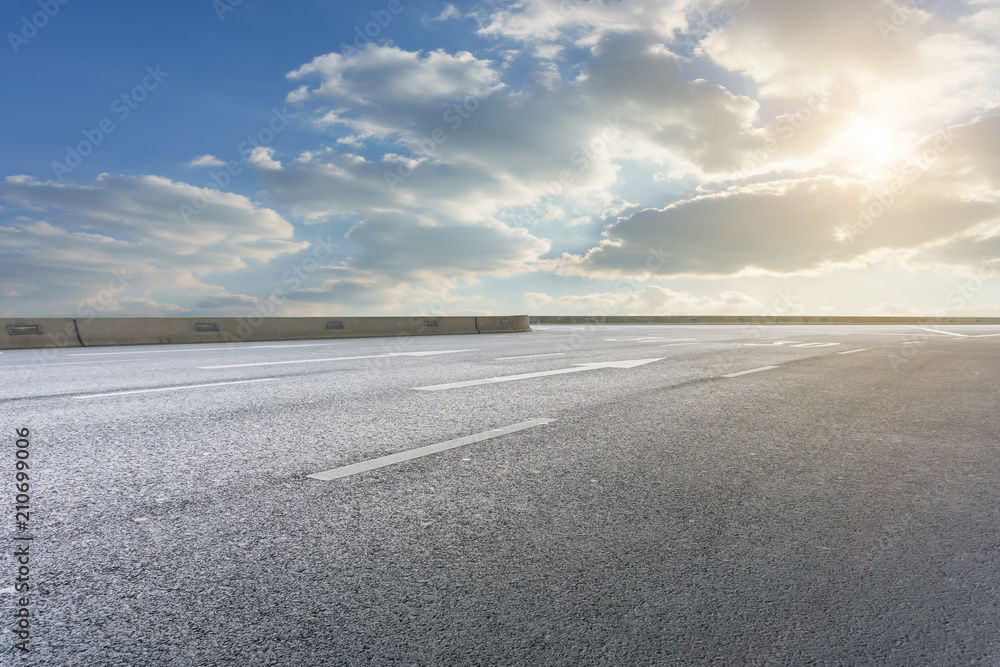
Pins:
x,y
870,143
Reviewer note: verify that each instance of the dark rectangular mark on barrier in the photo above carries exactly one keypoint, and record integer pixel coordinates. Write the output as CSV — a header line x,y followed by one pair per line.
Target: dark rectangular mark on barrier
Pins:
x,y
334,325
430,323
24,329
206,327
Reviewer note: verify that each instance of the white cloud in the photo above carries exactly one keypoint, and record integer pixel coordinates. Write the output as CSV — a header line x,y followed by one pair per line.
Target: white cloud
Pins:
x,y
583,22
449,12
400,245
206,160
709,139
263,157
388,75
84,235
647,300
945,198
881,59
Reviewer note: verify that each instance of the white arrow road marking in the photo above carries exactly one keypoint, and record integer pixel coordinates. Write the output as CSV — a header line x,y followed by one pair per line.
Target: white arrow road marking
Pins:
x,y
383,461
752,370
313,361
939,331
632,363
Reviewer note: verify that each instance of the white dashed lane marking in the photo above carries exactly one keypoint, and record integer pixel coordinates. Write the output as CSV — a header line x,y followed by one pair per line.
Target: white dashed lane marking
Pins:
x,y
187,386
314,361
940,331
533,356
391,459
752,370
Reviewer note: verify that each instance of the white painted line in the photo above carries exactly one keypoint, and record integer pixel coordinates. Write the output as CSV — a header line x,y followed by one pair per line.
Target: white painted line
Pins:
x,y
408,455
632,363
752,370
984,335
676,344
912,342
104,354
646,339
313,361
187,386
860,349
43,364
9,589
216,348
780,342
950,333
532,356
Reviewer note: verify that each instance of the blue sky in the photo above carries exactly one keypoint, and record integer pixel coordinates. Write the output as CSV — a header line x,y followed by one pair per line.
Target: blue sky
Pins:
x,y
543,157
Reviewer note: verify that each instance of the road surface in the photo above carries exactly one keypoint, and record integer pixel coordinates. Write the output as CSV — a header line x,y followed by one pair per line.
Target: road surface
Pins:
x,y
591,495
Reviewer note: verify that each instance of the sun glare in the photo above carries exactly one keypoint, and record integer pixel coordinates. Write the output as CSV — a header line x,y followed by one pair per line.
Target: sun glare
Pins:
x,y
868,144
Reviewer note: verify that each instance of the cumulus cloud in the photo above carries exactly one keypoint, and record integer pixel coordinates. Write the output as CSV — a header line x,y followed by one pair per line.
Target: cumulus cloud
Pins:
x,y
378,88
647,300
84,235
701,139
582,22
882,58
941,198
398,245
361,292
207,160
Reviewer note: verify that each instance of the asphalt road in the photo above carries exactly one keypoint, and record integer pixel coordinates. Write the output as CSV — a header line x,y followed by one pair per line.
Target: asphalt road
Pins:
x,y
633,498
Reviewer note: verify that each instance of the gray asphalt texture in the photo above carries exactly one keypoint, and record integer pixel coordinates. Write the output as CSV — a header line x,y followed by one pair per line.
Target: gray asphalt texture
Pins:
x,y
839,509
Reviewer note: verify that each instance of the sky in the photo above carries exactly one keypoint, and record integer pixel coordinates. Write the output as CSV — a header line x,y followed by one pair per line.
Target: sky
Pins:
x,y
252,158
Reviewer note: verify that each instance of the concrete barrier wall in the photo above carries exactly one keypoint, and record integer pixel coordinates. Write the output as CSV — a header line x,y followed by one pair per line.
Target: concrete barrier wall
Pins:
x,y
57,332
19,333
502,324
302,328
153,330
756,319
